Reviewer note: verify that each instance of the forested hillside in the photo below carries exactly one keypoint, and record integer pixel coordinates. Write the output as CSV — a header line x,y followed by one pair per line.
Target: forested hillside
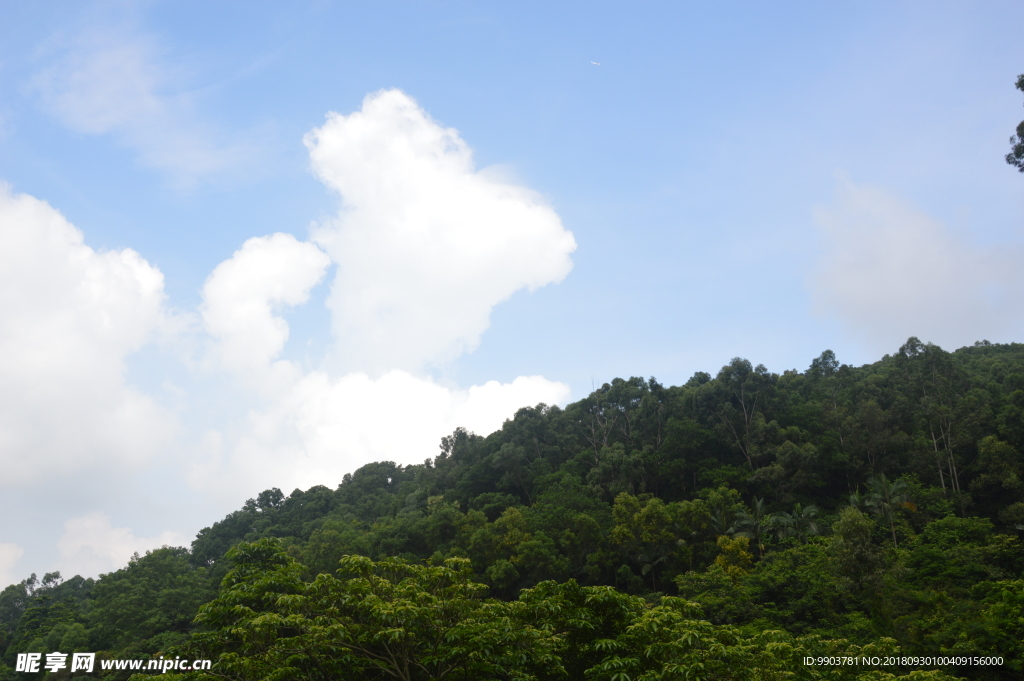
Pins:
x,y
834,509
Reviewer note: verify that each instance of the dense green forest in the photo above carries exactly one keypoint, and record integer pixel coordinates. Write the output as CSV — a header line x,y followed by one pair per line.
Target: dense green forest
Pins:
x,y
726,528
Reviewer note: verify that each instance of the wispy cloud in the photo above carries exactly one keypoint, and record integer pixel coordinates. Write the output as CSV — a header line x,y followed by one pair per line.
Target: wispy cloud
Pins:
x,y
10,554
112,79
91,545
890,271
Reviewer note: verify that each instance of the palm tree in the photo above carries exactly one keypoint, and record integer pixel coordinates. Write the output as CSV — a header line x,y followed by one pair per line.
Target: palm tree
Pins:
x,y
884,497
754,525
721,521
648,563
801,523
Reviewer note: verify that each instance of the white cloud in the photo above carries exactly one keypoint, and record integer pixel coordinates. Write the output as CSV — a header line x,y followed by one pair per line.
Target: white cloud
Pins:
x,y
242,293
91,546
425,247
112,80
68,318
889,271
326,427
484,408
425,244
10,554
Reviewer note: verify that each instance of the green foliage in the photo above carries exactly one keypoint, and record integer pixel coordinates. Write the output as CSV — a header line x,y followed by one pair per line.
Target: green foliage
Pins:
x,y
651,532
137,611
1001,622
376,620
34,609
723,594
954,554
391,619
755,525
848,503
1016,156
734,559
885,498
580,621
148,605
801,524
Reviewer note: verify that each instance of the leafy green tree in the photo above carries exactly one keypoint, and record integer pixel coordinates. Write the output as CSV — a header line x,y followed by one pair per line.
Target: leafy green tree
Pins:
x,y
520,468
798,589
669,641
941,387
41,607
645,528
577,520
1002,623
1000,473
149,604
857,559
386,620
13,601
721,590
579,619
616,470
1016,156
743,391
795,467
735,559
957,553
724,505
335,537
1013,515
871,437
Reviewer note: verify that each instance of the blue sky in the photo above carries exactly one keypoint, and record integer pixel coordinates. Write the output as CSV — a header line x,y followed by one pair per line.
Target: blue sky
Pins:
x,y
488,205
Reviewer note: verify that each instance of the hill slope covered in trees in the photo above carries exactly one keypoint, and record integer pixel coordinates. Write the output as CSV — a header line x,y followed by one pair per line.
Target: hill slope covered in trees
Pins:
x,y
879,506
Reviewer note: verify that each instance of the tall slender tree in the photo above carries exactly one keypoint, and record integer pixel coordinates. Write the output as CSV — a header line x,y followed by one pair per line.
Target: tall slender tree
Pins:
x,y
883,499
1016,156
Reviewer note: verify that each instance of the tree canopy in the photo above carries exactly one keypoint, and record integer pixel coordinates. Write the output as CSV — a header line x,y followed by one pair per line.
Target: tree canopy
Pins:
x,y
645,531
1016,156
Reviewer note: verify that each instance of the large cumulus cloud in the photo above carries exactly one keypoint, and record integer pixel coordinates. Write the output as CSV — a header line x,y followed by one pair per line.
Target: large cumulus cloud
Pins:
x,y
69,317
325,426
243,294
426,245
